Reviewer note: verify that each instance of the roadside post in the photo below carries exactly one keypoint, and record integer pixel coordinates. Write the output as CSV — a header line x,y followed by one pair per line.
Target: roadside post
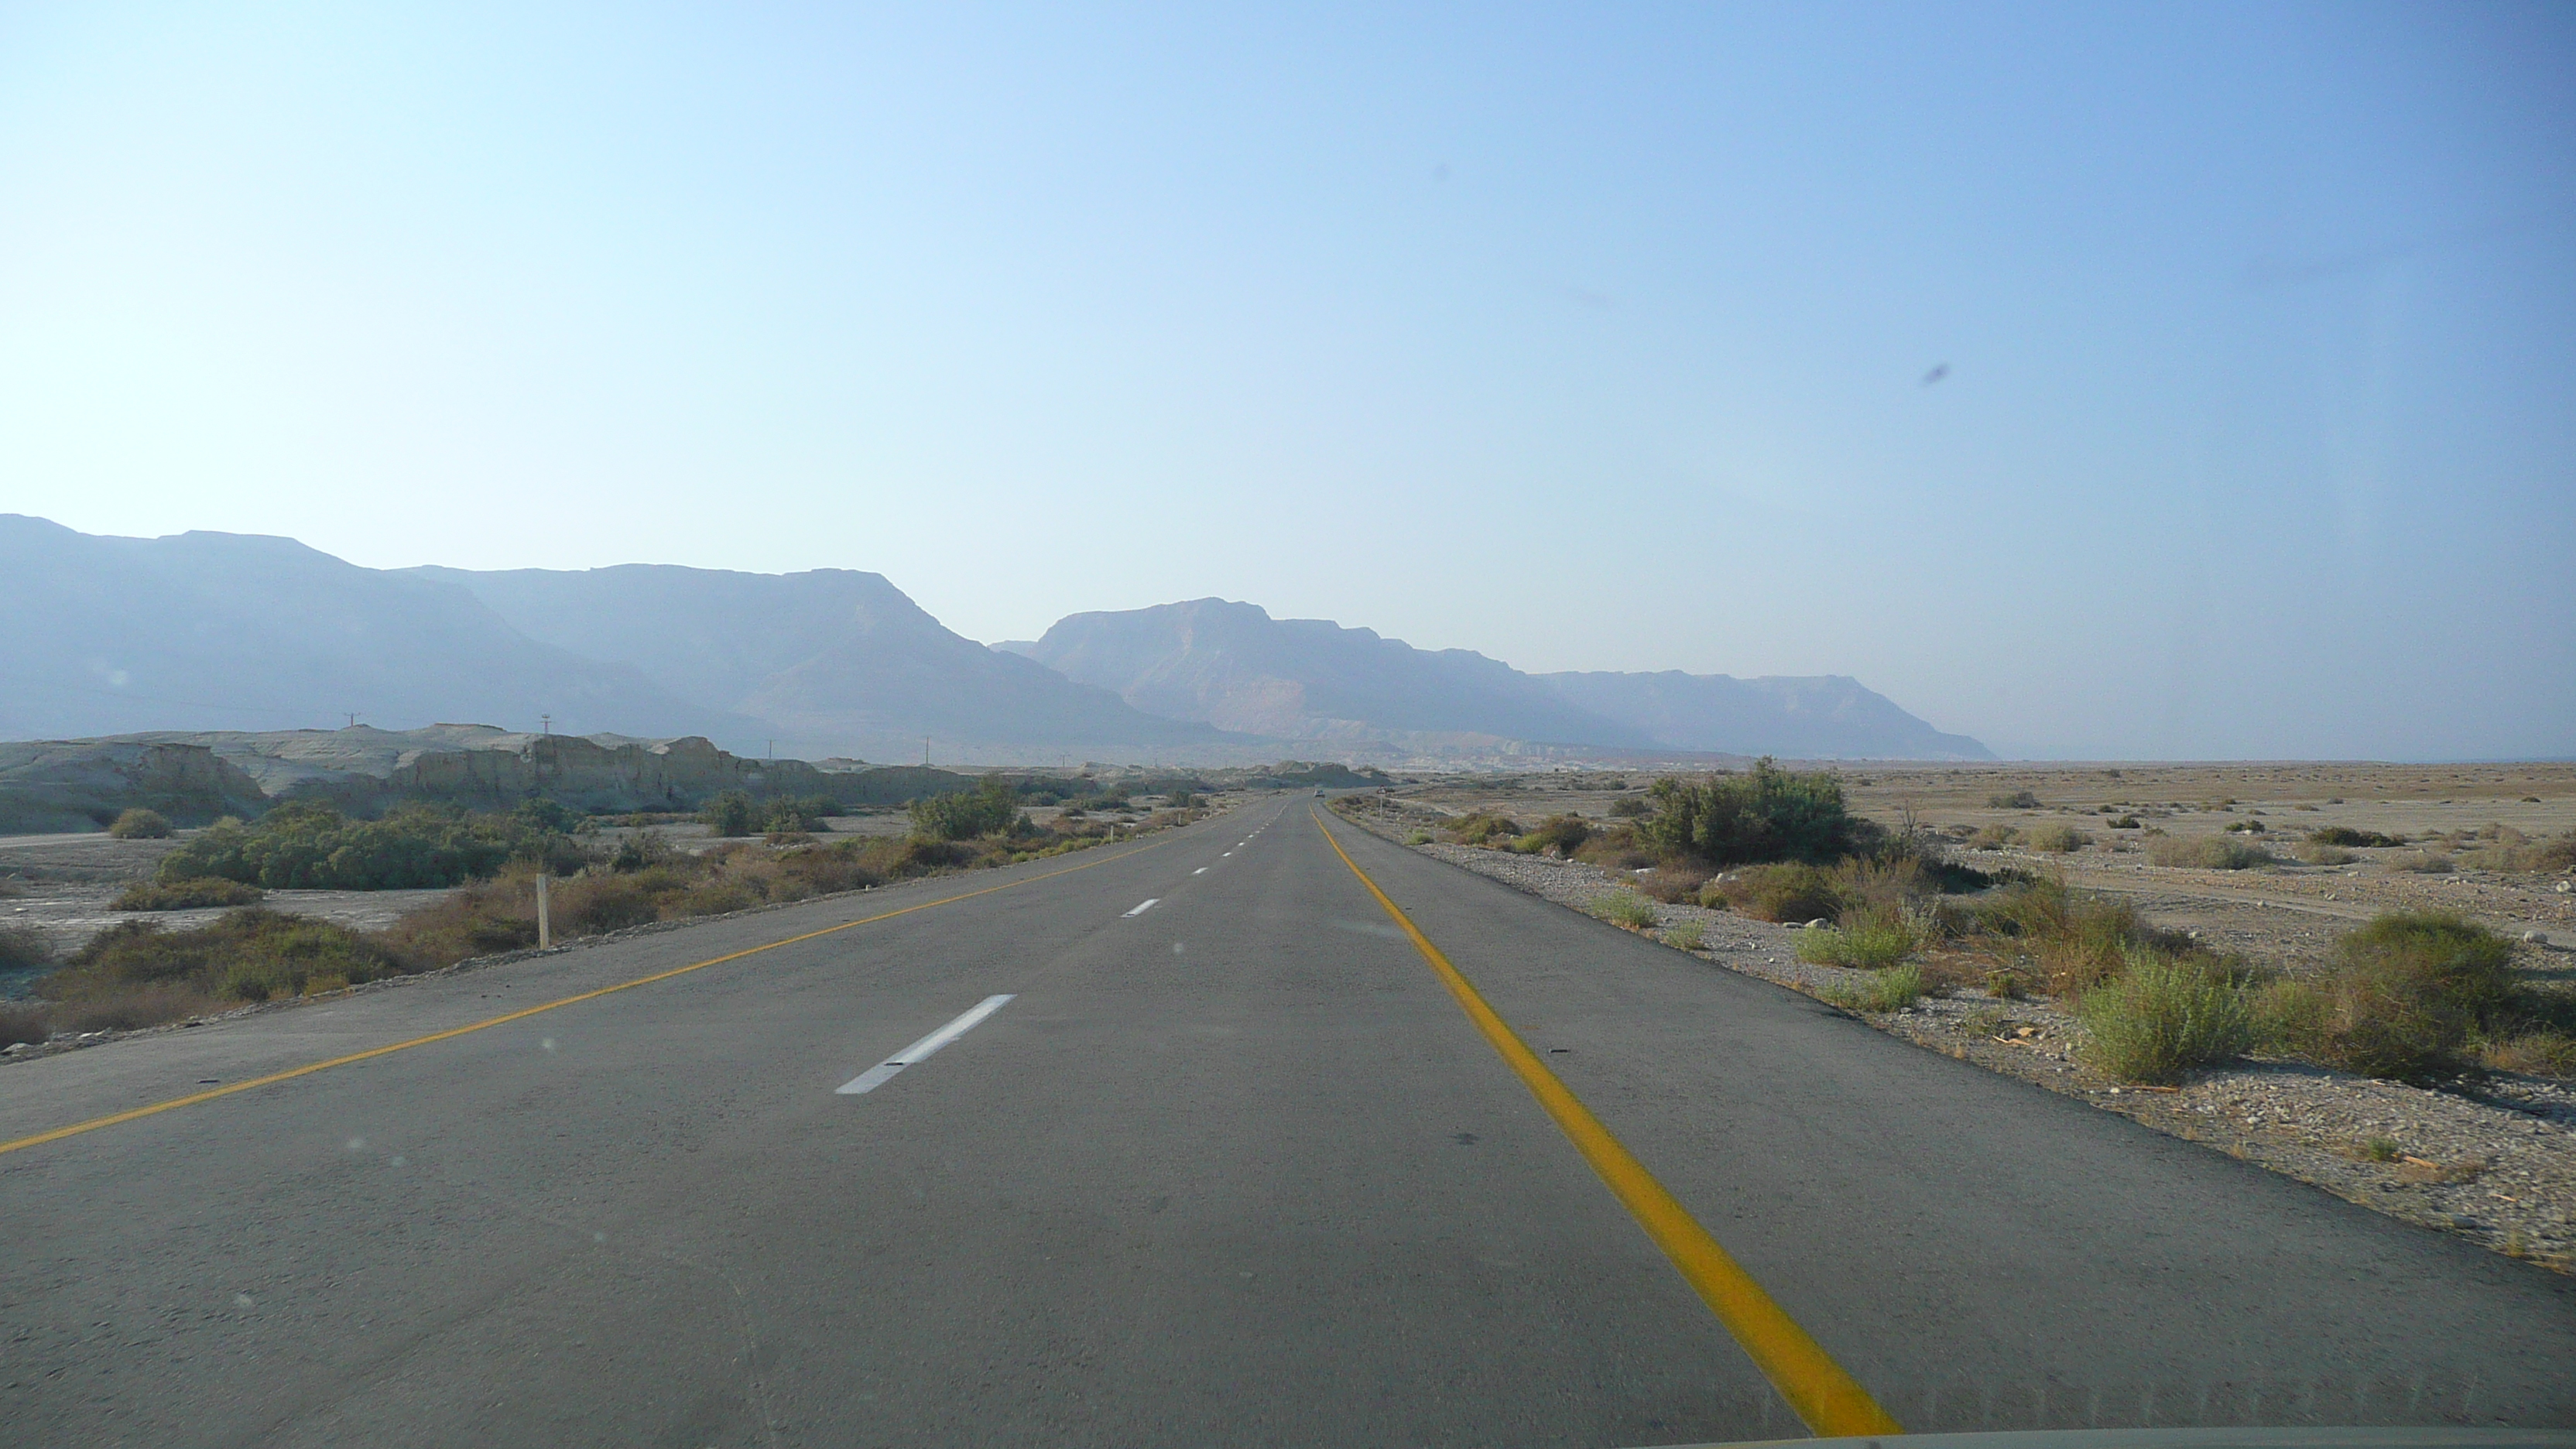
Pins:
x,y
545,919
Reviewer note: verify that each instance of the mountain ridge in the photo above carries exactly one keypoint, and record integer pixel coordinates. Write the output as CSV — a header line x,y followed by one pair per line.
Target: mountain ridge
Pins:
x,y
1232,664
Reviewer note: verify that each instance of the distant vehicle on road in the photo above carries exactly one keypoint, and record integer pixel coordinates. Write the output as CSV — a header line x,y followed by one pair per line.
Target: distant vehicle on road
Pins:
x,y
1319,794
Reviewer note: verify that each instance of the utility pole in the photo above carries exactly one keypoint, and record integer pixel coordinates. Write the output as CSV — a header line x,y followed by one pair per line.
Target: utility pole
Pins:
x,y
925,752
546,722
353,717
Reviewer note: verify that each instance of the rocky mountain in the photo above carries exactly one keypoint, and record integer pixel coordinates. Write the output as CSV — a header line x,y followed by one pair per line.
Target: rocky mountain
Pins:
x,y
1234,666
833,660
102,636
1826,716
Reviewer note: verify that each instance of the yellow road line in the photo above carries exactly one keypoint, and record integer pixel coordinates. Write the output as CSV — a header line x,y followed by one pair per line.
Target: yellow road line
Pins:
x,y
155,1109
1822,1392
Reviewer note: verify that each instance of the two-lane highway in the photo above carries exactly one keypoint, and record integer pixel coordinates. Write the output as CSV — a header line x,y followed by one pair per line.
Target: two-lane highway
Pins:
x,y
1181,1145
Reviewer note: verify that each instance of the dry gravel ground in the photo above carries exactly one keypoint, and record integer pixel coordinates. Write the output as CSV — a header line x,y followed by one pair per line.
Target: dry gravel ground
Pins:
x,y
2498,1167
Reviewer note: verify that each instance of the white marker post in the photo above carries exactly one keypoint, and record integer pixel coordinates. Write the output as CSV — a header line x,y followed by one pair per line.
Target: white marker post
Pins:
x,y
545,917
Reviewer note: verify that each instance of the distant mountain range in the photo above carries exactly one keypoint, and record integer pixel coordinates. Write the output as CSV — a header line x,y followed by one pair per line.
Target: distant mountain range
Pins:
x,y
212,631
1234,666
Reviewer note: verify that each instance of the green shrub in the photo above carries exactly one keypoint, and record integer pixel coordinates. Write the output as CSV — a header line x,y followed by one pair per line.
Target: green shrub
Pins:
x,y
2208,852
252,954
1484,825
1419,837
2124,822
1894,989
183,895
1993,837
1687,936
2159,1019
991,808
729,814
2058,838
802,814
1566,832
1794,892
2340,835
307,846
2017,800
1871,939
140,824
1632,807
1765,814
2245,827
2404,999
1625,908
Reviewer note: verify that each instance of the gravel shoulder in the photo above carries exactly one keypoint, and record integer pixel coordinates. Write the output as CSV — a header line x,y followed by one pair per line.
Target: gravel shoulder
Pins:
x,y
2498,1167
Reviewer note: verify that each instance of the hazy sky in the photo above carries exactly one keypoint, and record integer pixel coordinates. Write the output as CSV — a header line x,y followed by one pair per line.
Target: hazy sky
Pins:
x,y
1592,337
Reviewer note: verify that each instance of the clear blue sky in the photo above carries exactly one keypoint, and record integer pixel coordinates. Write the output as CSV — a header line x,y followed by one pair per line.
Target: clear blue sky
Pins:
x,y
1591,337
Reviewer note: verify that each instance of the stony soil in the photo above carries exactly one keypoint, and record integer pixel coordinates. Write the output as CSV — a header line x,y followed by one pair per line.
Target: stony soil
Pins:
x,y
2494,1162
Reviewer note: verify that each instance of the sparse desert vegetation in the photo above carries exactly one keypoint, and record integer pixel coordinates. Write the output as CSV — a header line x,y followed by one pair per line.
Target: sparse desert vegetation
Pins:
x,y
193,893
141,973
2208,852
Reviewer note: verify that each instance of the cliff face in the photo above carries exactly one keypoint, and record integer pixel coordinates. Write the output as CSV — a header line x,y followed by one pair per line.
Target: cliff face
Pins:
x,y
82,784
63,785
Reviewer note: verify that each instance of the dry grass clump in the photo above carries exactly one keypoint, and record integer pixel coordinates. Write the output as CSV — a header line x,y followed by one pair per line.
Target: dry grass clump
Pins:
x,y
2532,1053
2017,800
1687,936
2511,850
24,1021
1993,837
2417,862
1891,990
2161,1018
1673,884
24,948
2311,853
1625,909
2208,852
1614,847
2057,838
184,895
1869,937
140,824
1792,892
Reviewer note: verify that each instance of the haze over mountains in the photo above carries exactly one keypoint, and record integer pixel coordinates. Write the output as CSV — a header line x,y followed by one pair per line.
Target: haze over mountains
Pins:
x,y
223,631
1234,666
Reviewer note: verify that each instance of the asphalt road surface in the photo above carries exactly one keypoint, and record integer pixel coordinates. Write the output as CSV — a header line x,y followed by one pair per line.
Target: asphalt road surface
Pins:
x,y
1234,1169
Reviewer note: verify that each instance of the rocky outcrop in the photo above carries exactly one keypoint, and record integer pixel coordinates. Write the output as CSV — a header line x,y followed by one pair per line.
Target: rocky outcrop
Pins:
x,y
62,785
195,778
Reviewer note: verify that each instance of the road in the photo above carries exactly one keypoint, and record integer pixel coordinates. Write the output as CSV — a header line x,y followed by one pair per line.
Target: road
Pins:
x,y
1235,1169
